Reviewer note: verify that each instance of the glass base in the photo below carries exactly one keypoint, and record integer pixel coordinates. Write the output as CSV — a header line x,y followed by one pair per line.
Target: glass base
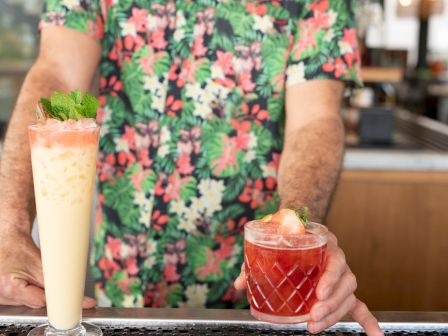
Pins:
x,y
85,329
279,319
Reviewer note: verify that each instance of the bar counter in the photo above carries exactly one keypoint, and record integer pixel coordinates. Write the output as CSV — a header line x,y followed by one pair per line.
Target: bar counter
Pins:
x,y
146,321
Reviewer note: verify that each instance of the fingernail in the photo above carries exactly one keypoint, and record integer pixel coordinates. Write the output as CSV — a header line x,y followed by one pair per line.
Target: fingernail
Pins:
x,y
316,327
320,313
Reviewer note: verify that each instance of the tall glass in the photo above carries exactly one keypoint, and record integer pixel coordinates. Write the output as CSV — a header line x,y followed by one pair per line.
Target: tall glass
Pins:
x,y
282,271
64,167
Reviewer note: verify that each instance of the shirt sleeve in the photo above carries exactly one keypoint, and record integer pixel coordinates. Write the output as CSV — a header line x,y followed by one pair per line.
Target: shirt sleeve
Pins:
x,y
324,43
81,15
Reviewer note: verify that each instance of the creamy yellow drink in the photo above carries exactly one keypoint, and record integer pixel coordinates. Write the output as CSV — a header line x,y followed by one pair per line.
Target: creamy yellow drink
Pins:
x,y
64,157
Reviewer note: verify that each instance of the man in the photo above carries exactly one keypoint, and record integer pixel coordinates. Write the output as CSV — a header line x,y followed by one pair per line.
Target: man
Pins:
x,y
199,99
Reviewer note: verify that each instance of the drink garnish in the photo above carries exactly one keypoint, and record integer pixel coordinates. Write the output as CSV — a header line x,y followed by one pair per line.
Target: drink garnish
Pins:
x,y
73,105
289,221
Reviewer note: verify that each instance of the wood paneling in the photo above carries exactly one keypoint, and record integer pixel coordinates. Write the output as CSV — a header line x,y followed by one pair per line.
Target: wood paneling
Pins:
x,y
393,227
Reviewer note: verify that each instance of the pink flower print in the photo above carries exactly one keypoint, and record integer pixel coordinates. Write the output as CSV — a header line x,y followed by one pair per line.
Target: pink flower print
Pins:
x,y
212,266
339,67
175,253
188,72
159,220
111,85
183,165
137,179
165,15
95,29
226,248
173,106
140,19
158,40
172,188
245,82
125,283
129,136
320,21
228,158
198,49
254,9
307,39
170,273
148,61
320,6
350,38
249,57
131,266
113,246
253,193
109,267
144,159
206,19
225,62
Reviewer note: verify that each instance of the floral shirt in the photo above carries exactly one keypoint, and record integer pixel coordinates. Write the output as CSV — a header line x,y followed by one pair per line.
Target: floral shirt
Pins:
x,y
192,114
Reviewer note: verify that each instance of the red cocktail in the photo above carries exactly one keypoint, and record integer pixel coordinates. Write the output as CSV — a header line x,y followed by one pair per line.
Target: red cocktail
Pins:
x,y
282,271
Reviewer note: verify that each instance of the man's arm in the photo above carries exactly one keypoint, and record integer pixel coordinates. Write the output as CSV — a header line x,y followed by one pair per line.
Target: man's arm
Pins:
x,y
67,60
308,173
313,148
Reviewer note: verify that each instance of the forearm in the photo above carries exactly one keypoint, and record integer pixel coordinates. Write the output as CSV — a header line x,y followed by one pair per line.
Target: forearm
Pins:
x,y
17,207
310,166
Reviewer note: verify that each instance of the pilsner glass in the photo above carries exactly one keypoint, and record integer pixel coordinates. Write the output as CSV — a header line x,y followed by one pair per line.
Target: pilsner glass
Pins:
x,y
64,167
282,271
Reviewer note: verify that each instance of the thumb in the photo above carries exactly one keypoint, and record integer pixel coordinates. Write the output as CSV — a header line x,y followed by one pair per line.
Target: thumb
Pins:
x,y
88,302
240,281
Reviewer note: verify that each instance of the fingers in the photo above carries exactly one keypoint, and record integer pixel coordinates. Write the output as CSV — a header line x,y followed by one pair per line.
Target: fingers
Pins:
x,y
334,317
88,302
365,318
334,269
240,282
19,292
345,288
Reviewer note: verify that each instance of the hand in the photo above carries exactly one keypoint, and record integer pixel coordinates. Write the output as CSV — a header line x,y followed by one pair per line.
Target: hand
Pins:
x,y
21,277
335,294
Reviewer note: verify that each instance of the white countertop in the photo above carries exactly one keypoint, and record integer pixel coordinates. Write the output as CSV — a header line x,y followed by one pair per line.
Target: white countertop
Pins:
x,y
370,159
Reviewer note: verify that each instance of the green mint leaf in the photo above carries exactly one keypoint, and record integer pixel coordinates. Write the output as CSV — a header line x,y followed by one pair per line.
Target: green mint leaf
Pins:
x,y
46,104
72,105
62,104
303,214
91,104
76,96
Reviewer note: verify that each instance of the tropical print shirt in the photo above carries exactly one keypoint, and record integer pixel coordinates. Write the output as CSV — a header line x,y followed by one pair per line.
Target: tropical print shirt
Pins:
x,y
192,116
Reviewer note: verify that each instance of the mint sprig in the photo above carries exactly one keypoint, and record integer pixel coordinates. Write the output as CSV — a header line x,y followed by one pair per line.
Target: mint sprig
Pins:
x,y
303,214
72,105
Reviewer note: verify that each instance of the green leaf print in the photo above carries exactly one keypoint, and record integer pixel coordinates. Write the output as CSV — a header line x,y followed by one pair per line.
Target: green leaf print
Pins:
x,y
203,72
120,197
175,296
268,207
274,56
162,65
113,290
238,19
188,189
234,187
230,212
264,140
133,85
79,21
276,107
149,181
